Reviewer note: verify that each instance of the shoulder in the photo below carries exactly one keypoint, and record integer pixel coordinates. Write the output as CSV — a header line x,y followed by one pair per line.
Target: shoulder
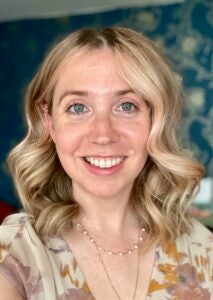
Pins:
x,y
17,228
199,236
188,261
20,244
197,243
14,222
196,249
193,249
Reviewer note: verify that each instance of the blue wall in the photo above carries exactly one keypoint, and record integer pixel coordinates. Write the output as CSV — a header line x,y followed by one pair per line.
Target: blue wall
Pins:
x,y
184,30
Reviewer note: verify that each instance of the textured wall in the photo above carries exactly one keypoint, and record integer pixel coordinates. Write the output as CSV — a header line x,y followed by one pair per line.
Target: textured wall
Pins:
x,y
184,30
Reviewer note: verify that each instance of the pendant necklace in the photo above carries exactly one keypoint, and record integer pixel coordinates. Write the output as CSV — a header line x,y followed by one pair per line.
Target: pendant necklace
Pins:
x,y
129,251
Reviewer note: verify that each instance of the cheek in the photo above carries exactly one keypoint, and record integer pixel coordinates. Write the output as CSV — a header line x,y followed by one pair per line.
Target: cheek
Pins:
x,y
64,139
139,135
69,138
63,144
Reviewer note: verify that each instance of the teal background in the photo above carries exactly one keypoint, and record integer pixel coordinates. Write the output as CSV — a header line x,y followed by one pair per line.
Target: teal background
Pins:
x,y
184,30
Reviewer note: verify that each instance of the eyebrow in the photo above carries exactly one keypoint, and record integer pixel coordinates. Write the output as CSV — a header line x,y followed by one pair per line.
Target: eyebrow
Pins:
x,y
86,93
72,93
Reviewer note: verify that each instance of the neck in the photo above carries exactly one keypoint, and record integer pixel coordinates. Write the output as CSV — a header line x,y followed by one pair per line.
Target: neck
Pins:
x,y
106,215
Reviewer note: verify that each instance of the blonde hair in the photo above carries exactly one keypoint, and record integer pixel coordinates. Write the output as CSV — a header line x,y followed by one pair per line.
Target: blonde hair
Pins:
x,y
162,192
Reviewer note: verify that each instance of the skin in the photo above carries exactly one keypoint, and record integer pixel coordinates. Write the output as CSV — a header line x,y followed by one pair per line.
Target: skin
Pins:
x,y
114,122
8,291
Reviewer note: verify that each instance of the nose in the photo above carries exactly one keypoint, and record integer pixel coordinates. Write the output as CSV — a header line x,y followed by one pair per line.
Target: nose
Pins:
x,y
103,131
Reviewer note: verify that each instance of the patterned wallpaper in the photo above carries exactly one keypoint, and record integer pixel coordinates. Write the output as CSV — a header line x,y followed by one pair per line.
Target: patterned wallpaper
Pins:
x,y
184,30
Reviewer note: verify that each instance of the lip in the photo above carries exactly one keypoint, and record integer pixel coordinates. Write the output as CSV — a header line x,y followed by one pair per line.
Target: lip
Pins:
x,y
103,171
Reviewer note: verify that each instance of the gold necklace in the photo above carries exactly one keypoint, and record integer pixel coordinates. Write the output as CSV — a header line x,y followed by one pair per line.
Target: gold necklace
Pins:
x,y
129,251
120,253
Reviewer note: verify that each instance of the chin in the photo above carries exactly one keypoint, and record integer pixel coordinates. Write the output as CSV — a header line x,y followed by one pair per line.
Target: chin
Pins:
x,y
110,191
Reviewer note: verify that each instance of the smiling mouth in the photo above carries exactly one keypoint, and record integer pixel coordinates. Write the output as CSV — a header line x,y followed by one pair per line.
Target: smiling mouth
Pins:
x,y
104,163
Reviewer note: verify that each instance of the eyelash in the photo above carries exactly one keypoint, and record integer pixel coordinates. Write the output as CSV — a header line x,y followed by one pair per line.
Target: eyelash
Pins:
x,y
133,108
76,112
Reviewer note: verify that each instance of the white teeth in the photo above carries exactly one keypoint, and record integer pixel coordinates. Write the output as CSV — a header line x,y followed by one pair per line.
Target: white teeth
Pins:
x,y
96,162
104,162
108,163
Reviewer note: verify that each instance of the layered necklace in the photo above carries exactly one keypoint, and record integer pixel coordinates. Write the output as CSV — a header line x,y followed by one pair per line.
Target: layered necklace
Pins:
x,y
100,249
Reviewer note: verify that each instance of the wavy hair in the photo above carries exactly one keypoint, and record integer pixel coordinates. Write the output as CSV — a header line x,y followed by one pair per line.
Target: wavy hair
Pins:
x,y
161,194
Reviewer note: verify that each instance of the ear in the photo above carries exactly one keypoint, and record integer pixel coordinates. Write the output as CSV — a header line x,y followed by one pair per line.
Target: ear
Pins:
x,y
48,119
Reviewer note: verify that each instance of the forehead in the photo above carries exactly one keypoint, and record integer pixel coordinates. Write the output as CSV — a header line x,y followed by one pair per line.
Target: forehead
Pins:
x,y
91,66
102,57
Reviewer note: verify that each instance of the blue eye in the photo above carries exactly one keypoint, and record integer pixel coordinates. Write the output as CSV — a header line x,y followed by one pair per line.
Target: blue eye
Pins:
x,y
77,108
128,106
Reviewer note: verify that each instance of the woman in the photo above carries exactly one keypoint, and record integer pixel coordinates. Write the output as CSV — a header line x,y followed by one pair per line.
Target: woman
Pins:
x,y
104,184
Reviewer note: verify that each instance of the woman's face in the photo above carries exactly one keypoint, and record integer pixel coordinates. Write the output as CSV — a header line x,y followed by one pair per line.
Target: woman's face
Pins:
x,y
99,125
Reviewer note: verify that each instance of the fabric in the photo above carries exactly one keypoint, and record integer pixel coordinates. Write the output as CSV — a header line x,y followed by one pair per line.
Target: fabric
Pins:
x,y
184,30
44,269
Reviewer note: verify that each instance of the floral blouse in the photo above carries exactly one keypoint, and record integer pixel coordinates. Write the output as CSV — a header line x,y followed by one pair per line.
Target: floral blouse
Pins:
x,y
46,268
